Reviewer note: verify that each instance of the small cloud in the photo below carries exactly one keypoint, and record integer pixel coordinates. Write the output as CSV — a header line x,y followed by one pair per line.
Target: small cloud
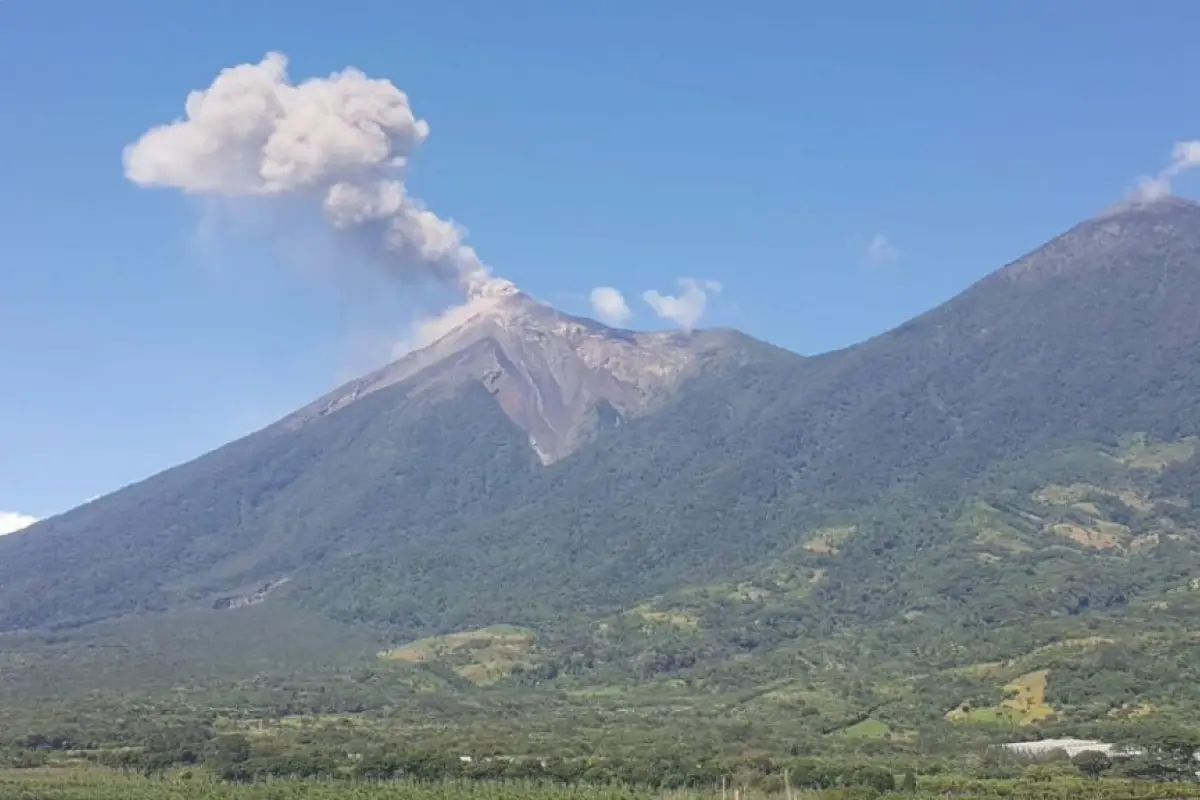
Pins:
x,y
11,522
686,308
609,306
1184,156
881,252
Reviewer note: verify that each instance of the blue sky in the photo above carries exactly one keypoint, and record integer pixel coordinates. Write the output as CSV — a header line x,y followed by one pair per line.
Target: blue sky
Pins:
x,y
615,143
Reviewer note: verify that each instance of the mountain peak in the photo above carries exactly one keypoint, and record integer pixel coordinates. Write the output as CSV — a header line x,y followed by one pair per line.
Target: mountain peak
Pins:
x,y
557,376
1141,203
1129,235
499,302
493,287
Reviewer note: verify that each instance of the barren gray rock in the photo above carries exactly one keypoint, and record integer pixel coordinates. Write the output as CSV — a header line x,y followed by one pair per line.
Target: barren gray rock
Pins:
x,y
552,373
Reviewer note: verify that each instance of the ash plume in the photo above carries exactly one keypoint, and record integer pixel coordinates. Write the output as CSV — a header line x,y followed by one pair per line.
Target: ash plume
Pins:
x,y
1184,156
341,142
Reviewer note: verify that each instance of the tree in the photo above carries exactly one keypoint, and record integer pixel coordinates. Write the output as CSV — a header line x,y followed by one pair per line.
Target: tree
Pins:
x,y
1092,763
908,784
1175,751
231,749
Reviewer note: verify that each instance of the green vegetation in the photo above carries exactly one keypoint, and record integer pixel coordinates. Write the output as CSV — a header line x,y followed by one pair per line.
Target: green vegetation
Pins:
x,y
190,785
1025,704
868,729
822,652
483,657
1087,776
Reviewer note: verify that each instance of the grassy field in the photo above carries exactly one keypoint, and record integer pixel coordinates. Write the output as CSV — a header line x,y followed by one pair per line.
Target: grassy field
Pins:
x,y
1025,704
481,656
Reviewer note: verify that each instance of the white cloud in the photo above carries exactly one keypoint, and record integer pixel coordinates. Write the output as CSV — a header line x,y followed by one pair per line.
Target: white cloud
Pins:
x,y
1184,156
11,522
609,306
686,308
881,252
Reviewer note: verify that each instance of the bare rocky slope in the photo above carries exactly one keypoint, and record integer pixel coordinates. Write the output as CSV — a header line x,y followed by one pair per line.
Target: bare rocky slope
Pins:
x,y
553,374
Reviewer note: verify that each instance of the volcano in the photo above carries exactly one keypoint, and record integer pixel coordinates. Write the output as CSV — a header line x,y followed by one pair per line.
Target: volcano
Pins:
x,y
526,464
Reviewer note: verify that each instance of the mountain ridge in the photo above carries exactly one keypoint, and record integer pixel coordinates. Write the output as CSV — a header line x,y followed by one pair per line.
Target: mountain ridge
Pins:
x,y
876,499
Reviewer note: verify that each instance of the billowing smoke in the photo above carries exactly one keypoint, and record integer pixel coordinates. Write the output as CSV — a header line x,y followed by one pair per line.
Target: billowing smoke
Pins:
x,y
11,522
609,306
342,142
686,308
1184,156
